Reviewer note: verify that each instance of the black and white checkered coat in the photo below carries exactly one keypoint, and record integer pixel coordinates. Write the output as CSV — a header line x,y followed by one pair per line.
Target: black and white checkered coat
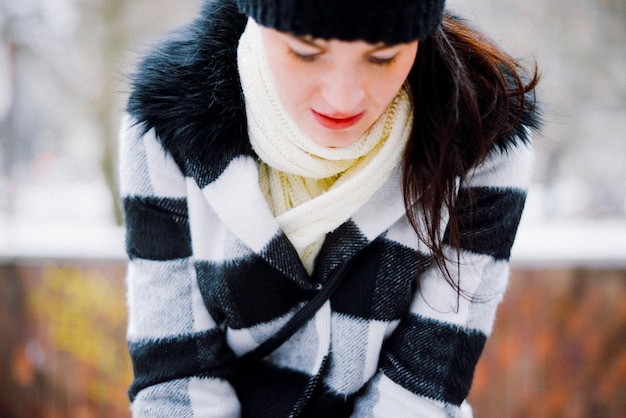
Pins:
x,y
211,275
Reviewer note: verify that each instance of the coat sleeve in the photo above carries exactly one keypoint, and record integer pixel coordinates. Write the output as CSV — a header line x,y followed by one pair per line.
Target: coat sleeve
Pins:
x,y
427,365
175,346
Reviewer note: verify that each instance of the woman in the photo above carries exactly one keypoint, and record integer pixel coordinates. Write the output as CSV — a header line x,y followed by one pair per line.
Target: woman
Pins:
x,y
271,147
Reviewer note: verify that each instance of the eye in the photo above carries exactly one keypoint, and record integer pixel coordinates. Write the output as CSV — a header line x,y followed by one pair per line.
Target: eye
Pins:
x,y
382,60
303,49
303,56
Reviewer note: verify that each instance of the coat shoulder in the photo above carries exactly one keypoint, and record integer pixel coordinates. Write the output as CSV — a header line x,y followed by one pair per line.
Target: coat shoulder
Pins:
x,y
187,87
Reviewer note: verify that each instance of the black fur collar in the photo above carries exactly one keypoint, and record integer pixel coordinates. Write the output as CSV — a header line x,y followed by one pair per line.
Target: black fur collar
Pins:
x,y
188,90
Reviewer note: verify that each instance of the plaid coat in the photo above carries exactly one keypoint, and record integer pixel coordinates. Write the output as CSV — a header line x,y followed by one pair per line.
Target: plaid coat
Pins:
x,y
211,275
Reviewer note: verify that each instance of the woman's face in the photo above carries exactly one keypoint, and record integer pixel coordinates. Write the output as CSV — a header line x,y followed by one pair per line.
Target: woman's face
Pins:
x,y
335,90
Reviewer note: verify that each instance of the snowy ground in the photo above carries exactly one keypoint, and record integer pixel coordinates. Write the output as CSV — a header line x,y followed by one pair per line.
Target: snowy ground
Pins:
x,y
73,222
600,243
61,220
584,243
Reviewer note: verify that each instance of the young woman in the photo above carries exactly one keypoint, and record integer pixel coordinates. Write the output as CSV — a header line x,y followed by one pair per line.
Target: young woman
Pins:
x,y
271,148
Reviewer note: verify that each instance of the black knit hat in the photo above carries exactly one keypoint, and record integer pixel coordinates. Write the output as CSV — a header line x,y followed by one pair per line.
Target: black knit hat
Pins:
x,y
388,21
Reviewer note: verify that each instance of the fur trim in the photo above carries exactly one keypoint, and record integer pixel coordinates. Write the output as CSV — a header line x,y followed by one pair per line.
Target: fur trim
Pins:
x,y
188,90
525,117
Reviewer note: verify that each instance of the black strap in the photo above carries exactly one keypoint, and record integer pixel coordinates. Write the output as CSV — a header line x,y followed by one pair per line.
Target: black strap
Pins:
x,y
298,320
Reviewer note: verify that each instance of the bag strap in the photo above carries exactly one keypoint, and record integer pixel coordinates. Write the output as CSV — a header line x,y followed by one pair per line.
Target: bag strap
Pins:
x,y
299,319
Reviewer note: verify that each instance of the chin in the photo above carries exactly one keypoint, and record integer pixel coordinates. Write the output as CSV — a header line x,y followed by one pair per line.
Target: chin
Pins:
x,y
331,138
336,141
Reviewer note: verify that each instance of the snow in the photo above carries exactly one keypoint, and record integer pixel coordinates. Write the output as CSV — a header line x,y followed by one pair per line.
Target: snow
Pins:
x,y
60,241
72,220
583,243
539,244
61,220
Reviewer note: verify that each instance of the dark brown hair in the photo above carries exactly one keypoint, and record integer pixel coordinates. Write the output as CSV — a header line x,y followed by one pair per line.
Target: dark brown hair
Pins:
x,y
469,96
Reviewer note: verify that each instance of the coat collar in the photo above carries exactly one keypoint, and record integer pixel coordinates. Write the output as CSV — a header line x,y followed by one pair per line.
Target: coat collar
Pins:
x,y
187,89
237,199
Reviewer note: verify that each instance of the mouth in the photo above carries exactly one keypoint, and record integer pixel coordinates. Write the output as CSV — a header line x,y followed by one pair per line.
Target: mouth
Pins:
x,y
337,122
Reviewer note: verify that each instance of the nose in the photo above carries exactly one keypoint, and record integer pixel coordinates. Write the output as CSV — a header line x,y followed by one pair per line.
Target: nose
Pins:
x,y
342,90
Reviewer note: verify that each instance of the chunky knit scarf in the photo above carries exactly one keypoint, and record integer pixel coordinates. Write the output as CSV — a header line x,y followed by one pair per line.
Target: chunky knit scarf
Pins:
x,y
312,189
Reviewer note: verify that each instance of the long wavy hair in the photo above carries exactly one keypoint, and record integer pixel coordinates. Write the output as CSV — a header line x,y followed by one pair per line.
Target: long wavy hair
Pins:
x,y
468,97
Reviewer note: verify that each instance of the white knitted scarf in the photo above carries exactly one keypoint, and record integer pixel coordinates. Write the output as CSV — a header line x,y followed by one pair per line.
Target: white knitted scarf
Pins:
x,y
312,189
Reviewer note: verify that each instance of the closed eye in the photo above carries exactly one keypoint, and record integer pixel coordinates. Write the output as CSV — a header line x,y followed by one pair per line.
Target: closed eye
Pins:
x,y
304,49
303,56
382,60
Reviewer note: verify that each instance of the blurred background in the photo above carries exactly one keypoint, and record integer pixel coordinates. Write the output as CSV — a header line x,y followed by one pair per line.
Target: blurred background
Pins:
x,y
559,345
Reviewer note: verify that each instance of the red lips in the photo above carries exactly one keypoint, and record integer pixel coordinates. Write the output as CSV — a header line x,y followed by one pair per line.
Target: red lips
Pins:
x,y
337,122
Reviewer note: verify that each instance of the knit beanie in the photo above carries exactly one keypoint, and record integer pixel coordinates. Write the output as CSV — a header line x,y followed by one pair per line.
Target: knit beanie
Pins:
x,y
373,21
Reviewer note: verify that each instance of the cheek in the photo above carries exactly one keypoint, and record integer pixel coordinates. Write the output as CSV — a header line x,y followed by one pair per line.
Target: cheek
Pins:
x,y
386,86
383,92
292,84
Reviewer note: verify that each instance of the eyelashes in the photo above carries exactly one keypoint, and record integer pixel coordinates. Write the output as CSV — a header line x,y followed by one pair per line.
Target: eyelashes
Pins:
x,y
383,61
311,57
306,57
